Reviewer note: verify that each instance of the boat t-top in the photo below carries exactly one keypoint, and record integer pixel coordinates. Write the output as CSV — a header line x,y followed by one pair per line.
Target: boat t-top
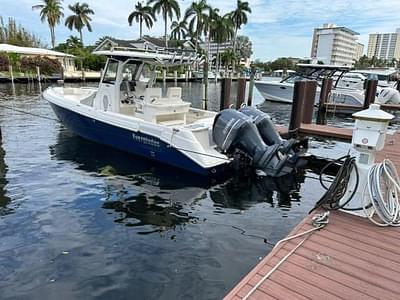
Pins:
x,y
349,93
129,113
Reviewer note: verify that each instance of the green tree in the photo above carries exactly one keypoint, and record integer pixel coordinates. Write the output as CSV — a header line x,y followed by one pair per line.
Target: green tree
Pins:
x,y
229,58
239,16
142,14
14,34
221,31
52,12
179,30
80,18
168,8
196,15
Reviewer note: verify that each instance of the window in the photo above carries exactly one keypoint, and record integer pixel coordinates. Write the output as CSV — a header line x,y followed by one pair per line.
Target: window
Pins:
x,y
129,70
111,72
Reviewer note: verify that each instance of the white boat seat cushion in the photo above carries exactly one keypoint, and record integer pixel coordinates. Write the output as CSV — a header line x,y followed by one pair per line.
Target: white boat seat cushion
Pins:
x,y
174,94
152,95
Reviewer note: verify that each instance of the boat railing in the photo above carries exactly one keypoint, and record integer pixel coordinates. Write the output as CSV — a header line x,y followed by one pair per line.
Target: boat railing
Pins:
x,y
178,56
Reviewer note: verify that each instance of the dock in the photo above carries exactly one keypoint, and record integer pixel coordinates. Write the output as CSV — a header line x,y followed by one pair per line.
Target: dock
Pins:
x,y
349,258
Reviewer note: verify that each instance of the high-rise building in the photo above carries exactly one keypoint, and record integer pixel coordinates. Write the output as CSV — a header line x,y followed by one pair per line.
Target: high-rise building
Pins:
x,y
334,45
359,51
384,46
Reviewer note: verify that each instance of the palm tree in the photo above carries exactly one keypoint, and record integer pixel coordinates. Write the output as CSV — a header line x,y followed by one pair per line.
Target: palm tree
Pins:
x,y
50,10
142,14
207,22
179,30
239,17
167,8
196,13
222,30
73,42
80,18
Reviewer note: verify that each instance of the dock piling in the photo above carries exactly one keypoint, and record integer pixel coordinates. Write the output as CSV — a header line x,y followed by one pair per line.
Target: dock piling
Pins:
x,y
225,93
10,69
205,85
241,92
370,92
303,90
251,85
323,99
176,77
309,101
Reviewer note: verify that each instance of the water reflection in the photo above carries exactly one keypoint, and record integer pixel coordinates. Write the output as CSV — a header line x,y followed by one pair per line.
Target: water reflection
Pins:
x,y
4,200
142,193
242,192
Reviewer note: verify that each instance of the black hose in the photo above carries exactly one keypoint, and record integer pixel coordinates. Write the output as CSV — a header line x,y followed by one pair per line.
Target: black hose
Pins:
x,y
337,190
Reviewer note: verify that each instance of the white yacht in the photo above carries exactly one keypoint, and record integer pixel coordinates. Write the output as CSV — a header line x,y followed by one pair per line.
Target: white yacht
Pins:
x,y
127,112
283,91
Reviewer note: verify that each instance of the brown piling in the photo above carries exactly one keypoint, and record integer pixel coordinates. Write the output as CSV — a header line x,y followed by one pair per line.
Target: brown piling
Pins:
x,y
323,100
241,92
309,101
225,93
370,93
303,95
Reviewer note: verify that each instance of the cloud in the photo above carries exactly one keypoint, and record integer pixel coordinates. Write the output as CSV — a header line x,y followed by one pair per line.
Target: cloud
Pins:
x,y
276,28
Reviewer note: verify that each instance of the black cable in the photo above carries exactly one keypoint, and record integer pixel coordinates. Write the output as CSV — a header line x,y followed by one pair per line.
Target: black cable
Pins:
x,y
28,113
337,190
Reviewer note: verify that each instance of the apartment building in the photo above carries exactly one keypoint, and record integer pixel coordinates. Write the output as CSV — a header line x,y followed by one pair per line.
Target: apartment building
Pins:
x,y
359,51
334,45
384,46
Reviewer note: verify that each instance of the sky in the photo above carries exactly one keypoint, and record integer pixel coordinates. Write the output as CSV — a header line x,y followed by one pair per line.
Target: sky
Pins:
x,y
276,28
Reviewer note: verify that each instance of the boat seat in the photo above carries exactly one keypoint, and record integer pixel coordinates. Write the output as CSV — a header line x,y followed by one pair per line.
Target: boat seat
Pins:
x,y
152,95
174,94
167,111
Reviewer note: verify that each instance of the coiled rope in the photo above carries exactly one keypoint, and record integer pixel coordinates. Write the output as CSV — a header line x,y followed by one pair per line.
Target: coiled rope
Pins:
x,y
383,187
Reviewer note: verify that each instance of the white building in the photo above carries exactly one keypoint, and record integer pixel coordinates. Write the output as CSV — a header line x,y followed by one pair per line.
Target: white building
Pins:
x,y
67,60
384,46
334,45
359,51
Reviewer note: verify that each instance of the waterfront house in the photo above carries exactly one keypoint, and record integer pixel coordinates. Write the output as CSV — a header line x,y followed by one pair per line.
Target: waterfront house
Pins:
x,y
67,60
146,42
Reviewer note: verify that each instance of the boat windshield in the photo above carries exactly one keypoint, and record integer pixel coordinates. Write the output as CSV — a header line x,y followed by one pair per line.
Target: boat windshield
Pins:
x,y
110,74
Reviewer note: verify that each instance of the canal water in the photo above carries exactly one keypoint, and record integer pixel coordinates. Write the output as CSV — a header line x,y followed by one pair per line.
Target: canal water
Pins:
x,y
82,221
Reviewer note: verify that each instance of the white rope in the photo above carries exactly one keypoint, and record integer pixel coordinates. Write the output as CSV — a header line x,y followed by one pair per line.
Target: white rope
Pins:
x,y
273,269
386,206
320,221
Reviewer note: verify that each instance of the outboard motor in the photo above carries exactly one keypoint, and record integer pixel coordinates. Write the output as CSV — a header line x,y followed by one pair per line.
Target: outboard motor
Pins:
x,y
233,130
270,136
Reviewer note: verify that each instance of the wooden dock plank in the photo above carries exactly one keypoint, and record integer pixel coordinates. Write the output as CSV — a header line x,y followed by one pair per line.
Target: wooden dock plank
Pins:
x,y
326,131
350,258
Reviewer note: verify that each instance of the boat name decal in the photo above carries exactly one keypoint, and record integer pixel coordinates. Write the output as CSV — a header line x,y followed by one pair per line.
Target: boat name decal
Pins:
x,y
146,140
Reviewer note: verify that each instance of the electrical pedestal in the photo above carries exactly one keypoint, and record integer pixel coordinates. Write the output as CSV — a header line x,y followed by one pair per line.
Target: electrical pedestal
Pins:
x,y
368,138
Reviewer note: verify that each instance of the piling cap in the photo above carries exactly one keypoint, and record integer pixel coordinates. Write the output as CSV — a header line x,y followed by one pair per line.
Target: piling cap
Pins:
x,y
373,113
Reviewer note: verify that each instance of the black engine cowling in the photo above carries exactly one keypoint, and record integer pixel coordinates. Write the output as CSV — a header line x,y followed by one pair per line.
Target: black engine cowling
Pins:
x,y
233,130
